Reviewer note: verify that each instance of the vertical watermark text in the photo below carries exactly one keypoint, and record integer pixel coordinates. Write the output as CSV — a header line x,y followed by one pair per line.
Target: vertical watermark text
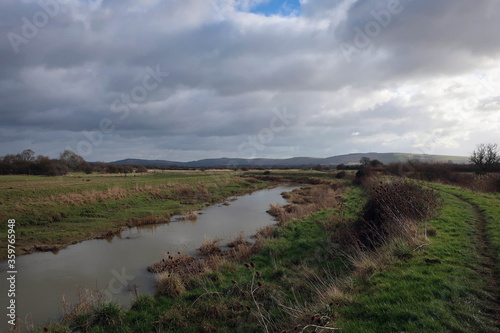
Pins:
x,y
11,272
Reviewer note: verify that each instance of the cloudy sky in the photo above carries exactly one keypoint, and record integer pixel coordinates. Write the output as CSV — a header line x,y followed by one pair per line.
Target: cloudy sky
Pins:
x,y
191,79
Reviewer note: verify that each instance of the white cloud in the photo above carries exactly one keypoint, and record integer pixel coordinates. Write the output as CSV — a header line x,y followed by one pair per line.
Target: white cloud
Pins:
x,y
428,80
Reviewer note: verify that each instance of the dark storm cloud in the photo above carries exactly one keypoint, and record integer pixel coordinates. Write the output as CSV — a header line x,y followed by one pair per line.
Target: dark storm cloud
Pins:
x,y
228,70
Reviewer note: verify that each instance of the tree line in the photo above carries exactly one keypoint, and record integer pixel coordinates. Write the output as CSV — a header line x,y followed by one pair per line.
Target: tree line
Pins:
x,y
28,163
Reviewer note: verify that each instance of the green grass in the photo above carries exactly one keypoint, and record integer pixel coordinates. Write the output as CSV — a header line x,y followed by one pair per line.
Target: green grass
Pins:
x,y
441,286
415,296
63,210
293,266
489,206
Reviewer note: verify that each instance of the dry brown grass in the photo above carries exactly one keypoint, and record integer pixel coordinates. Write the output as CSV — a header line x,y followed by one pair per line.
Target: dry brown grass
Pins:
x,y
148,220
117,193
210,247
88,302
182,264
278,212
243,252
305,201
265,232
212,258
238,240
202,191
192,216
182,190
47,248
170,284
92,197
111,233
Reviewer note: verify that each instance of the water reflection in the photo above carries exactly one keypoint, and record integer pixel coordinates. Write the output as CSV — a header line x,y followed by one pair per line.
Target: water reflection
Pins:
x,y
117,266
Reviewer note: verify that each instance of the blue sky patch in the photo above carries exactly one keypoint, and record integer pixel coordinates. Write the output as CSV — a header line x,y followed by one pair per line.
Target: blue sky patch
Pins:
x,y
278,7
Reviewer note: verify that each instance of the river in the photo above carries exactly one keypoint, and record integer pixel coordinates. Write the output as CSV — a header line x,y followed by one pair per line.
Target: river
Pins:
x,y
115,266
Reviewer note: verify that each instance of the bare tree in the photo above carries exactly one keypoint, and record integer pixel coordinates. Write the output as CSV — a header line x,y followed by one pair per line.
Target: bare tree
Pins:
x,y
365,160
485,157
28,155
73,160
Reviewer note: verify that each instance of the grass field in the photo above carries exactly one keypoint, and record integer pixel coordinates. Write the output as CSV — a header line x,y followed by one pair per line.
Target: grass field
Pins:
x,y
443,287
300,279
53,212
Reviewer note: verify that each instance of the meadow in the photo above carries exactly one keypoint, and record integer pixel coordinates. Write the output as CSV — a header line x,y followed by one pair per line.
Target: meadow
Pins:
x,y
365,253
53,212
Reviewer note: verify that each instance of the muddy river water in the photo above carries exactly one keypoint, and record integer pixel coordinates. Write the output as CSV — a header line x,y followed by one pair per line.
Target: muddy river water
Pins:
x,y
117,267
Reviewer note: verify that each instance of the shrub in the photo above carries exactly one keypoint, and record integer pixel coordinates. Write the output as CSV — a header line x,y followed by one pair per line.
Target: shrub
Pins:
x,y
363,175
394,209
341,175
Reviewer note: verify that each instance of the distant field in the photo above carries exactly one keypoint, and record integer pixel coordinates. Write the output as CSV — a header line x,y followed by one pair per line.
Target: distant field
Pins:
x,y
52,212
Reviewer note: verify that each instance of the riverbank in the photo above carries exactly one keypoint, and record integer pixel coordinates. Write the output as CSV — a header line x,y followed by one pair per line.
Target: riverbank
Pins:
x,y
116,268
54,212
439,276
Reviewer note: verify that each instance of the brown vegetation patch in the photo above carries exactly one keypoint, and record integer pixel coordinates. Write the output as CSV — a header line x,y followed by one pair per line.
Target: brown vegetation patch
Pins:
x,y
170,284
394,210
111,233
148,220
212,258
239,240
182,190
179,264
304,202
192,216
45,248
210,247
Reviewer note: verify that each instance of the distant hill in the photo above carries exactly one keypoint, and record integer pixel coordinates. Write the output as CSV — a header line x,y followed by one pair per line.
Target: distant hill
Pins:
x,y
348,159
135,161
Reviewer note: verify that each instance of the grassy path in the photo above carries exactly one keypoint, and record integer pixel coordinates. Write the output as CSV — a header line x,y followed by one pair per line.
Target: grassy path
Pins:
x,y
447,286
488,263
488,257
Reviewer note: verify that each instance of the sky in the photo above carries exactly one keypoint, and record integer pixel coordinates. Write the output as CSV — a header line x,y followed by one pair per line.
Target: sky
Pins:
x,y
184,80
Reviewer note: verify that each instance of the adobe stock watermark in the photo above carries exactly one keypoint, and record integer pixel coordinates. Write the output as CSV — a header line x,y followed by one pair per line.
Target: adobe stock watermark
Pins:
x,y
428,147
256,143
122,107
117,284
32,25
365,35
488,87
484,96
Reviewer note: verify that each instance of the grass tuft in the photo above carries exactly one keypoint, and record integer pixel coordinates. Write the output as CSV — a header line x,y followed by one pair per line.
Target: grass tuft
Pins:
x,y
170,284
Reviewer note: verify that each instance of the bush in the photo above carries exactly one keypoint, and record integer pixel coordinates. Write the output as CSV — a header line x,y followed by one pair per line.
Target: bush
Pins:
x,y
363,175
341,175
394,209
